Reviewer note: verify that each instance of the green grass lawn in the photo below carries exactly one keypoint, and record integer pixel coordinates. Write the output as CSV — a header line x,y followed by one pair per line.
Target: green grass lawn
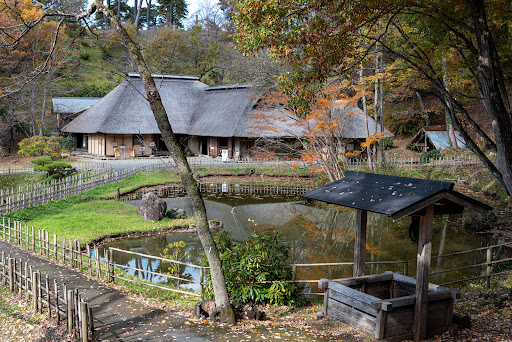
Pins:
x,y
93,220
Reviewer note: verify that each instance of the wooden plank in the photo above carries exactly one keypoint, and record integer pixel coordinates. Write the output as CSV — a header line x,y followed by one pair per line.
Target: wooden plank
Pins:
x,y
380,290
400,321
353,302
409,280
360,242
374,278
352,317
347,291
422,273
380,324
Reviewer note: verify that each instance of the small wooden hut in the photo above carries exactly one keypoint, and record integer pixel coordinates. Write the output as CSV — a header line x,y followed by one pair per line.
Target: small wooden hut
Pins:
x,y
434,138
361,301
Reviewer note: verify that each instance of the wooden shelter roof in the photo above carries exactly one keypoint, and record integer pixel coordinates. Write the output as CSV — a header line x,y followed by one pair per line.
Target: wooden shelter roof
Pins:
x,y
393,196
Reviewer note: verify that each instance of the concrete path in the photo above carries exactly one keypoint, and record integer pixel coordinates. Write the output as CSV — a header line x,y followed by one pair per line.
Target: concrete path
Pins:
x,y
116,318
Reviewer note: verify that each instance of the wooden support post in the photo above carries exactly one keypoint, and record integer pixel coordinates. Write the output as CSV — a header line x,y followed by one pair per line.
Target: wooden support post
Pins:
x,y
34,292
422,273
488,271
33,240
89,269
85,321
11,274
118,193
91,323
64,250
56,290
79,251
55,246
69,310
107,273
48,296
360,243
39,293
26,280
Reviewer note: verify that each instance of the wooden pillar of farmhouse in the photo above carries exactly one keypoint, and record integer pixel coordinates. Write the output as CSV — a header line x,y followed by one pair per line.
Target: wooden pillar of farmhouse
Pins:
x,y
422,273
360,243
213,147
230,147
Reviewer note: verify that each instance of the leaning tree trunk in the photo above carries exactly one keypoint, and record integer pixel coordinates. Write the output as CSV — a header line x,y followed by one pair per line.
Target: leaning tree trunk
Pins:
x,y
493,90
203,231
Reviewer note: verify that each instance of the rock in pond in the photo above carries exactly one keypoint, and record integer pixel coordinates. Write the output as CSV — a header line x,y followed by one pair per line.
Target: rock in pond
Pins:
x,y
152,208
176,213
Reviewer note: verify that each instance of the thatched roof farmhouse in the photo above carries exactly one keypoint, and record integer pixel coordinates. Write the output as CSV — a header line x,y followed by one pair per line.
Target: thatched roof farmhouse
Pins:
x,y
205,119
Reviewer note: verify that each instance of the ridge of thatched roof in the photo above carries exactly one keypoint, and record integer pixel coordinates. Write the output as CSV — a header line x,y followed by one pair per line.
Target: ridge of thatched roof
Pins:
x,y
194,108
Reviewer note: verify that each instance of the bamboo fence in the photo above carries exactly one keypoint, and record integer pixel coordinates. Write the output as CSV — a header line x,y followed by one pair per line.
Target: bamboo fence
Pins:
x,y
59,303
75,255
18,198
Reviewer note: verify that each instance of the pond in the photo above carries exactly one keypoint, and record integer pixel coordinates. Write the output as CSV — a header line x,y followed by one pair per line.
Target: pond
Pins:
x,y
316,233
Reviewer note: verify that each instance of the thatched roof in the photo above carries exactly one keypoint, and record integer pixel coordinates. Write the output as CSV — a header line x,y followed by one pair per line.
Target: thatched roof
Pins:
x,y
71,105
353,124
194,108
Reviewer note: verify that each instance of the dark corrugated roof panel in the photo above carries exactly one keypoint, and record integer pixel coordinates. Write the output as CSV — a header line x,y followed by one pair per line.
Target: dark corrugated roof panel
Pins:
x,y
394,196
381,194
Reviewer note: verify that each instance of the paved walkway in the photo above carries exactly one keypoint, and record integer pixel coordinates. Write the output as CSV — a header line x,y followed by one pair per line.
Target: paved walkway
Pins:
x,y
116,318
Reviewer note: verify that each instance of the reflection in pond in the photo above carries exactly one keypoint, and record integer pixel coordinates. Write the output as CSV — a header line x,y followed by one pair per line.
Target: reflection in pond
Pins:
x,y
315,234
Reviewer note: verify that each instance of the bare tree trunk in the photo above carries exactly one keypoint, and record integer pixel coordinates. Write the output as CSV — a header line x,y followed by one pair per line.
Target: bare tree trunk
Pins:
x,y
137,9
148,13
365,111
183,168
494,91
449,126
376,106
422,106
382,147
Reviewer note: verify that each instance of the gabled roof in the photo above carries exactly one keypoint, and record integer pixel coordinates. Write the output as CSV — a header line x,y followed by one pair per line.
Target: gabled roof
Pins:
x,y
438,136
192,107
393,196
70,105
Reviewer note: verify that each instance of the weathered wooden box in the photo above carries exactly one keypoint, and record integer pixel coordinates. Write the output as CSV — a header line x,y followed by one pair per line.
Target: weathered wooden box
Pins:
x,y
382,305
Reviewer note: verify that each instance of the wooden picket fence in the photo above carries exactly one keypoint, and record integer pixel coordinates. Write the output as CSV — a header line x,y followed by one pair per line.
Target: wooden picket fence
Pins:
x,y
60,303
73,254
22,197
418,162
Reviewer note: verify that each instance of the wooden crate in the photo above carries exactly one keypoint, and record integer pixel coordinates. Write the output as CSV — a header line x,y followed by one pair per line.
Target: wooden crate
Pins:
x,y
382,305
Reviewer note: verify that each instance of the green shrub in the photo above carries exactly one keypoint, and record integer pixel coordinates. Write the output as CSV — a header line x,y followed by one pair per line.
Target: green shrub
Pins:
x,y
55,169
249,263
85,56
388,143
427,155
68,142
176,251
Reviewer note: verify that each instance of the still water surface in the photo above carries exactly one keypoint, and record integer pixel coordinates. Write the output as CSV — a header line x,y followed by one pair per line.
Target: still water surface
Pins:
x,y
316,233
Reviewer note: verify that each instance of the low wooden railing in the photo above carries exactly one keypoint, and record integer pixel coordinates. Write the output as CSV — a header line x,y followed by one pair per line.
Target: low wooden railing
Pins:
x,y
62,305
73,254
